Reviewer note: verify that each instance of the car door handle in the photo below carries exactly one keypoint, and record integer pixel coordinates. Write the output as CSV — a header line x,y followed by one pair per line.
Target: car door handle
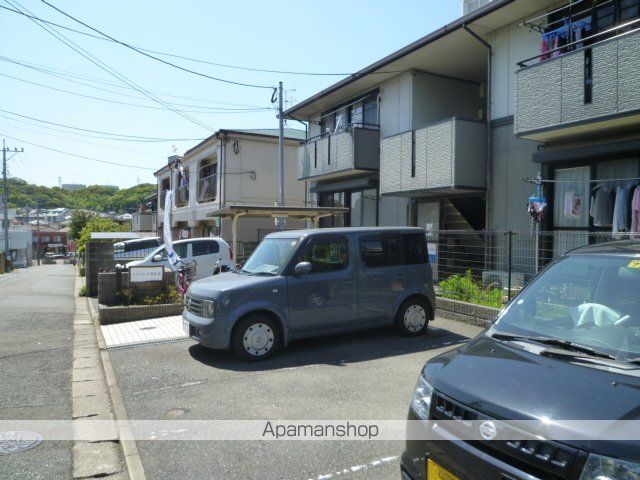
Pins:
x,y
347,281
399,276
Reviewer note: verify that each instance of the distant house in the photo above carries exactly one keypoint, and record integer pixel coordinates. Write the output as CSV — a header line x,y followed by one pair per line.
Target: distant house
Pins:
x,y
230,168
57,215
51,239
73,187
20,249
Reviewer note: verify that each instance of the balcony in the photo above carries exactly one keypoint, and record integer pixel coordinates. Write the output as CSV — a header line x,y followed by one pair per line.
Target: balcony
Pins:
x,y
355,150
208,189
445,157
585,92
182,196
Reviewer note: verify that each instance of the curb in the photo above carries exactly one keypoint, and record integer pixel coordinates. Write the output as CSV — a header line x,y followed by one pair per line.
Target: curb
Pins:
x,y
128,445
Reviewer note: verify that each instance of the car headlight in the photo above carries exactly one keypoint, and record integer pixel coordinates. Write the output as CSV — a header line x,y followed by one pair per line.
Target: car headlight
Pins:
x,y
207,308
606,468
421,402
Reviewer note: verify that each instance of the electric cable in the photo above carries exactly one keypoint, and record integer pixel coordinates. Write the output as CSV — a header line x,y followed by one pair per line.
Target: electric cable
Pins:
x,y
208,62
84,53
137,137
135,49
76,155
207,111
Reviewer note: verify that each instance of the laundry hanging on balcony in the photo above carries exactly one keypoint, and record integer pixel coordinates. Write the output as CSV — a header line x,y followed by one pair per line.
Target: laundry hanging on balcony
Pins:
x,y
536,207
552,41
572,204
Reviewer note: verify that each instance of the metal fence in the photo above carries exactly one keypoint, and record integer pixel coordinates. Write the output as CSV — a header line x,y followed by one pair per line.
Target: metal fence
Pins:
x,y
506,259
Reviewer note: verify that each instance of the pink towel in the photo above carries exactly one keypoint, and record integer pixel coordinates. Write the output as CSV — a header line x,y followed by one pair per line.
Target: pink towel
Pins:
x,y
635,212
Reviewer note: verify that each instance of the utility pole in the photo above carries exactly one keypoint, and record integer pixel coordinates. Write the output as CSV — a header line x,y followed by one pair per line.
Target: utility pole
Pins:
x,y
281,220
5,201
38,231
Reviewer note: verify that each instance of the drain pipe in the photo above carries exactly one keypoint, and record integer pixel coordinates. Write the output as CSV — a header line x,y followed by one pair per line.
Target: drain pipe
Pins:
x,y
489,100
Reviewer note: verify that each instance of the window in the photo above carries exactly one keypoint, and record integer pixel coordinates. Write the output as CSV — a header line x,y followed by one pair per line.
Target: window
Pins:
x,y
356,114
415,249
180,249
327,123
45,238
56,238
380,252
335,199
327,255
207,181
371,110
205,248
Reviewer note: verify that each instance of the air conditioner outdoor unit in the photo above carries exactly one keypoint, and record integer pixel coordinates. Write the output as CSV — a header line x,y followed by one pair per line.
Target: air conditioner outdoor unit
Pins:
x,y
502,278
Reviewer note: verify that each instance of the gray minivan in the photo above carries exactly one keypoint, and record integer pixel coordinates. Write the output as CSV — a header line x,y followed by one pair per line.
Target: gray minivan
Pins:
x,y
308,283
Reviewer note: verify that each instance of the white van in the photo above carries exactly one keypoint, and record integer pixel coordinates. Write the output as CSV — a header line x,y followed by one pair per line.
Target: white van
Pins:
x,y
205,251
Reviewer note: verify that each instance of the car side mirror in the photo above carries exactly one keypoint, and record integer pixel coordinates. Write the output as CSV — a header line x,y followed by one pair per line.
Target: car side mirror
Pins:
x,y
302,268
157,258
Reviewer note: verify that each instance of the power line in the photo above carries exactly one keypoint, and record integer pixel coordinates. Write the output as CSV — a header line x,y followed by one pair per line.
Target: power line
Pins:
x,y
64,74
136,137
153,57
88,135
102,145
207,111
84,53
78,156
208,62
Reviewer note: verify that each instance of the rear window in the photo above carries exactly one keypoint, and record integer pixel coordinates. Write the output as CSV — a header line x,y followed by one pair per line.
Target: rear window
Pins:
x,y
388,251
205,248
380,252
415,248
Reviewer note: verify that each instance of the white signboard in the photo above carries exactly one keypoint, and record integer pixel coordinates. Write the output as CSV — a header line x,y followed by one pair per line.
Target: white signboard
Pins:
x,y
145,274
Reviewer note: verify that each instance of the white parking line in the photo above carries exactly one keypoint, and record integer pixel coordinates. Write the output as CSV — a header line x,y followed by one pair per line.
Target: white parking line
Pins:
x,y
356,468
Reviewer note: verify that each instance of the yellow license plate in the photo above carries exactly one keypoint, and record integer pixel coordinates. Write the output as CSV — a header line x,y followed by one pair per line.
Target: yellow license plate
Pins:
x,y
436,472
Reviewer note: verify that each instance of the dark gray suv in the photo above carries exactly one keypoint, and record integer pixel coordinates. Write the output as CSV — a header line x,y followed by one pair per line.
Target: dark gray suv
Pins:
x,y
307,283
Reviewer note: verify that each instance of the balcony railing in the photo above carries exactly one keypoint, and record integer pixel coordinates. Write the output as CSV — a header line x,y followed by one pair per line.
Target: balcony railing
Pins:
x,y
182,196
208,188
448,156
353,150
580,89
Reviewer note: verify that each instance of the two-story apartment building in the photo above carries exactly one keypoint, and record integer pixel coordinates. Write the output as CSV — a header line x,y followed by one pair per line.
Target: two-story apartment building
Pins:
x,y
230,168
441,133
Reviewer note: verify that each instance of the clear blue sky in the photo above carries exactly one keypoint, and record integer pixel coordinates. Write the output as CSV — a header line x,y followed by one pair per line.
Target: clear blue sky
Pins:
x,y
330,36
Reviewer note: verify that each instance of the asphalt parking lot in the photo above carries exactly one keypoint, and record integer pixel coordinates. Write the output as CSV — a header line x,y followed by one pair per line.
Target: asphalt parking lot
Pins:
x,y
367,375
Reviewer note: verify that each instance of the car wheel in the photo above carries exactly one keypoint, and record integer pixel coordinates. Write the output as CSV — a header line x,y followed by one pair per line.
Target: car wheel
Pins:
x,y
413,317
256,338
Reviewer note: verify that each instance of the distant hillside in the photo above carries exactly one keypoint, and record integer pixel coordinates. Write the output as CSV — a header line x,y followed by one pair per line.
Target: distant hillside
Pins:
x,y
100,199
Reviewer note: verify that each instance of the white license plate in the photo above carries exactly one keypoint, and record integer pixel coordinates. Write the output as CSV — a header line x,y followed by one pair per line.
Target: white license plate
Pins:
x,y
185,327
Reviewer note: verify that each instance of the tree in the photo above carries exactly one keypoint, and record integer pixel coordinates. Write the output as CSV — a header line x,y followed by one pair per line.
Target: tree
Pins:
x,y
99,224
79,218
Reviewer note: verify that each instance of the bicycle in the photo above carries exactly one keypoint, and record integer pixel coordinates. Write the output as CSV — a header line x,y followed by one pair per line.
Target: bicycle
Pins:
x,y
185,275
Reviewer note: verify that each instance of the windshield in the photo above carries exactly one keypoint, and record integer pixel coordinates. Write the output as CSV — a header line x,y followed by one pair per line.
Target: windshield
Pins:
x,y
158,251
271,256
584,299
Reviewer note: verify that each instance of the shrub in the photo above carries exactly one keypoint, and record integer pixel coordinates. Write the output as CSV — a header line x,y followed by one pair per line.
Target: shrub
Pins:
x,y
466,289
83,291
127,295
170,296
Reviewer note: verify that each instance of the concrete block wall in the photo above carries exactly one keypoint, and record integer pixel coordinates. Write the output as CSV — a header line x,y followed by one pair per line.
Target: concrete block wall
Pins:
x,y
108,290
98,256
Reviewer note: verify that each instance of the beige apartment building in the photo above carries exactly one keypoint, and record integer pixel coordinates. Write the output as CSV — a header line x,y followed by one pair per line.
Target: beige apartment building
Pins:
x,y
230,168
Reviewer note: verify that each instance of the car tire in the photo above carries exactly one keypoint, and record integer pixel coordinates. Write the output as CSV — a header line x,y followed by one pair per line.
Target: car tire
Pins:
x,y
256,338
413,317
